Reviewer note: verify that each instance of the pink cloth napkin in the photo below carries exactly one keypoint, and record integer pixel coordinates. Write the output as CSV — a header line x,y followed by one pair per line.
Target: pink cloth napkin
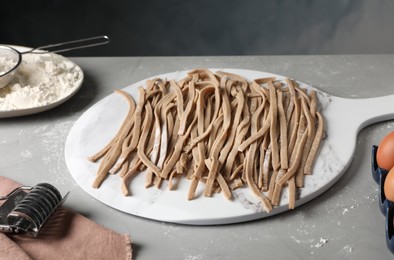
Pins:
x,y
66,235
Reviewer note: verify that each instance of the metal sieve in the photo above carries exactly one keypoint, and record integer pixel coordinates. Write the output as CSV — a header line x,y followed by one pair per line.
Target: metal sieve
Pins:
x,y
15,56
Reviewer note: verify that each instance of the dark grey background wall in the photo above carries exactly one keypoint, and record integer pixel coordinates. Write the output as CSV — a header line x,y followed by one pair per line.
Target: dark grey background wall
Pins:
x,y
205,27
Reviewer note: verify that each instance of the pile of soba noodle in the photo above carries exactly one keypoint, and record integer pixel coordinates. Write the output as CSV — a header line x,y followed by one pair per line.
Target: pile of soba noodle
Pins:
x,y
218,130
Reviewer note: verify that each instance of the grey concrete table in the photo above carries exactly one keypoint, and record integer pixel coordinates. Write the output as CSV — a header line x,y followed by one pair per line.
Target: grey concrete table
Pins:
x,y
343,223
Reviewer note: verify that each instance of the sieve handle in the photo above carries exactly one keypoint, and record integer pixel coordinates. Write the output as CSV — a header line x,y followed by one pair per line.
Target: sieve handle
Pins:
x,y
72,45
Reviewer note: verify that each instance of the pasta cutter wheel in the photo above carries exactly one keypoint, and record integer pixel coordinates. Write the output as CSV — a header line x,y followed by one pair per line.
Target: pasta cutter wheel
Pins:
x,y
26,212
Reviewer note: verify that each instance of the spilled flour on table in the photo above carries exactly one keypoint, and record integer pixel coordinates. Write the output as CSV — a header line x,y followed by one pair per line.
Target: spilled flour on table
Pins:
x,y
53,143
26,154
321,243
41,79
347,250
195,257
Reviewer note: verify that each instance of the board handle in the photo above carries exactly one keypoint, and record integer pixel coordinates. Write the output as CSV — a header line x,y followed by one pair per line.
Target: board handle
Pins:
x,y
346,117
363,112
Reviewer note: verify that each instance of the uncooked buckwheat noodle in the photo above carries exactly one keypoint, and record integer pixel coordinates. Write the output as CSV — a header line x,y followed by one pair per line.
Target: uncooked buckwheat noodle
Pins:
x,y
217,130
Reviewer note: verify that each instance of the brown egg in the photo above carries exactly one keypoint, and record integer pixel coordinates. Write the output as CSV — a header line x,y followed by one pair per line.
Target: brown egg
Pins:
x,y
389,186
385,153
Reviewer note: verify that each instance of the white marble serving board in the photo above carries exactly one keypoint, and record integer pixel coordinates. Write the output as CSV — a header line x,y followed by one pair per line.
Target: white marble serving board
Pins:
x,y
344,118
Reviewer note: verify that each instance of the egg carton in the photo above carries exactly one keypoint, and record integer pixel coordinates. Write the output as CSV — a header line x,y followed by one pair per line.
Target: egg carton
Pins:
x,y
386,206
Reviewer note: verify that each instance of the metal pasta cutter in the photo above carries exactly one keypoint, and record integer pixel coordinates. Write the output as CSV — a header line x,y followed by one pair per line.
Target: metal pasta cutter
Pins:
x,y
26,212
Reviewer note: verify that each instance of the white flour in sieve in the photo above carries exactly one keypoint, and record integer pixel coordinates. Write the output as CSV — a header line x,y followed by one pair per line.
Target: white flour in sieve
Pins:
x,y
40,80
6,64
